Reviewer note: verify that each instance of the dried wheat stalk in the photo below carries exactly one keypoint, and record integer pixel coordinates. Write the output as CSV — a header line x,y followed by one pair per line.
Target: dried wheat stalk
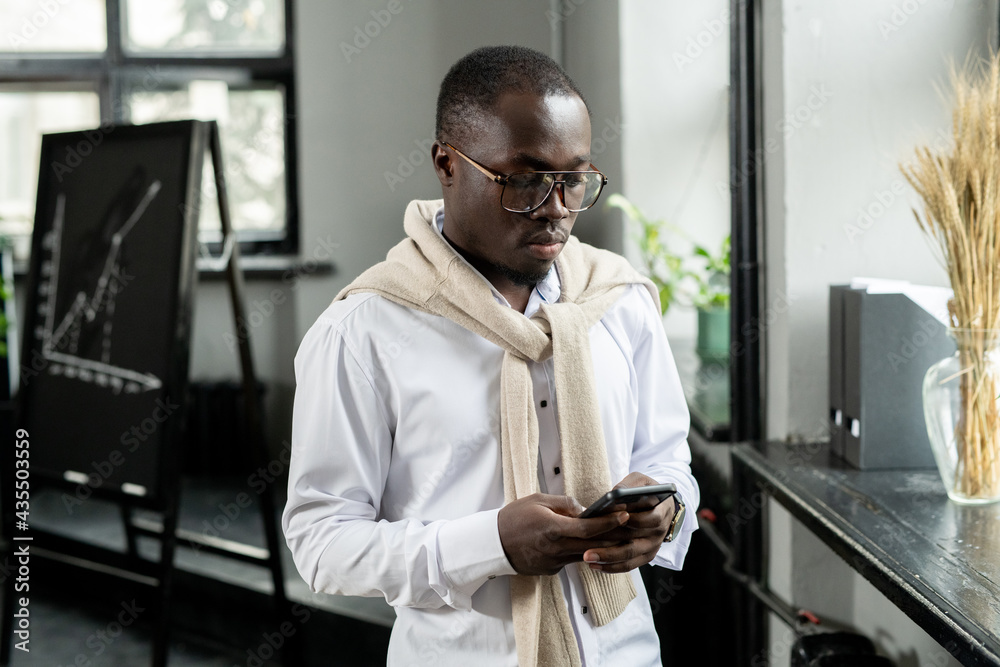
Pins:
x,y
961,214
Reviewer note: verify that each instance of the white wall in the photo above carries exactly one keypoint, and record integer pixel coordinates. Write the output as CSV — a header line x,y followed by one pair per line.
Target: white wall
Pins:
x,y
848,94
675,81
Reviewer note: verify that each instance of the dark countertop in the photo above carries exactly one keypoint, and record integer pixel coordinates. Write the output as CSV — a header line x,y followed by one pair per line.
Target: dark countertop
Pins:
x,y
937,561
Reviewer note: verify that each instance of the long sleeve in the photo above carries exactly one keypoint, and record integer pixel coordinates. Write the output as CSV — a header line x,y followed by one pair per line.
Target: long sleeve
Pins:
x,y
660,448
342,442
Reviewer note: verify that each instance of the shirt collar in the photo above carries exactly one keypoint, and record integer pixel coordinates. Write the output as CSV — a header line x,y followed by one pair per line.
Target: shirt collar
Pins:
x,y
547,291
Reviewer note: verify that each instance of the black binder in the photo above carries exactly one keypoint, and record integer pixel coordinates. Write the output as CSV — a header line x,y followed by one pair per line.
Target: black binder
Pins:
x,y
881,346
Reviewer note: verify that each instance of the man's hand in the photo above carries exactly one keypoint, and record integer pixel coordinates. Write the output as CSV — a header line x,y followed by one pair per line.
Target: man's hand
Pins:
x,y
541,533
637,542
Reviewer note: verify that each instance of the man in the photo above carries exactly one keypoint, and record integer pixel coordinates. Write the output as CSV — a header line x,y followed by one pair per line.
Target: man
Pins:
x,y
459,403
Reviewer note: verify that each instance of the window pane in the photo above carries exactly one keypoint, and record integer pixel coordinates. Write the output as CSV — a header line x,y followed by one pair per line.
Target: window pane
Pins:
x,y
47,25
24,118
213,26
253,147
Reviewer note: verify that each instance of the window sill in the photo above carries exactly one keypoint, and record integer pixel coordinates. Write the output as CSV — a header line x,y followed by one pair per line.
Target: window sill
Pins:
x,y
255,267
267,267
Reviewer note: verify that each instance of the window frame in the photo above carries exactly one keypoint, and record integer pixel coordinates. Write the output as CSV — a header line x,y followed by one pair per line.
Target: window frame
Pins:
x,y
110,72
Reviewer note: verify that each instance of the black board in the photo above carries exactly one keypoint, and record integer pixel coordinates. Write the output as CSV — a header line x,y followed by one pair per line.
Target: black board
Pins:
x,y
109,304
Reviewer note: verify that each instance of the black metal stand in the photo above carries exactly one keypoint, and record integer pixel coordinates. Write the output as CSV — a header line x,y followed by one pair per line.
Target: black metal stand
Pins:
x,y
130,565
234,278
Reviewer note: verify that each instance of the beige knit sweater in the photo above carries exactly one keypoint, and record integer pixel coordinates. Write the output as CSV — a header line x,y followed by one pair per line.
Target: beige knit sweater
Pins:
x,y
425,273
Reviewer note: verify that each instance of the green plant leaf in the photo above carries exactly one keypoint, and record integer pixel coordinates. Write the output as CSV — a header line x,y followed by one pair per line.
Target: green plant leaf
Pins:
x,y
628,208
666,296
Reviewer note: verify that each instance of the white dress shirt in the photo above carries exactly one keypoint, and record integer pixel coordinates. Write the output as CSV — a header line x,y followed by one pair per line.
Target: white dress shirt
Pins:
x,y
395,478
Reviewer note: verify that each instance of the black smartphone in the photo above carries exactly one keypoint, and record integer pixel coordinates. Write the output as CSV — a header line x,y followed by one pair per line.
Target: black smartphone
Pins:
x,y
654,495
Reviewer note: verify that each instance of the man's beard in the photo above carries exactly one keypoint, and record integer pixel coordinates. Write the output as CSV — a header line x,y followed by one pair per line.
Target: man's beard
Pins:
x,y
520,278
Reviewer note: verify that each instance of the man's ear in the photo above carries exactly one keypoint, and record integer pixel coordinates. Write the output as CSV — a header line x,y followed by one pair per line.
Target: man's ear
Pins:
x,y
444,166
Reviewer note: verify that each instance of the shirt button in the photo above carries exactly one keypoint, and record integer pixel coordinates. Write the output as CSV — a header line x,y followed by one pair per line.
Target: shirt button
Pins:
x,y
584,610
556,470
545,403
492,576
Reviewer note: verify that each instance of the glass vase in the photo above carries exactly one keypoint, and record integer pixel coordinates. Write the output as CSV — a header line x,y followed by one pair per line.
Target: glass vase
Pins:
x,y
962,409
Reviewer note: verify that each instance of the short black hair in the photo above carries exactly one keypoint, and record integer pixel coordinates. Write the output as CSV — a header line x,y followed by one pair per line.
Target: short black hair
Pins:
x,y
475,83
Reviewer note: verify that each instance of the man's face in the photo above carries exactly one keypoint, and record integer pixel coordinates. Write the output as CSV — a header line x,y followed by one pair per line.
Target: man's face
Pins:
x,y
525,132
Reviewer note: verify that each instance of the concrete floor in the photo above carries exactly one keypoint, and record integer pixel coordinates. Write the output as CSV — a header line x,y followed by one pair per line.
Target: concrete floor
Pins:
x,y
71,629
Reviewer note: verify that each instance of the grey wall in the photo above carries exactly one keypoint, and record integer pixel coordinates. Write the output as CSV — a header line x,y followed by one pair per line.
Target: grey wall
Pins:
x,y
365,120
591,55
848,94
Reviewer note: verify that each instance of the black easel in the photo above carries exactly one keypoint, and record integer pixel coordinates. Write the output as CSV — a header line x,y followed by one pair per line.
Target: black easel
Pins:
x,y
161,468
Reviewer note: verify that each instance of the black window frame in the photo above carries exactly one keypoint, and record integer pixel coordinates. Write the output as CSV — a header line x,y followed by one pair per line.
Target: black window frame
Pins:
x,y
108,74
746,213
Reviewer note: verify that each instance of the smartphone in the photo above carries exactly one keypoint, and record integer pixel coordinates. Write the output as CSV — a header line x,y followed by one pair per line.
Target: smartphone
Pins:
x,y
653,495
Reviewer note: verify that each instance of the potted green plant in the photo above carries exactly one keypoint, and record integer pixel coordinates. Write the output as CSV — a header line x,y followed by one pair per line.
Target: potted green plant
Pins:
x,y
662,266
711,299
699,278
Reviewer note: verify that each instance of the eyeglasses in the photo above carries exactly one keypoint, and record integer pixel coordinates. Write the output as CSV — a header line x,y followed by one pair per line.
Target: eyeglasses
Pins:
x,y
525,191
